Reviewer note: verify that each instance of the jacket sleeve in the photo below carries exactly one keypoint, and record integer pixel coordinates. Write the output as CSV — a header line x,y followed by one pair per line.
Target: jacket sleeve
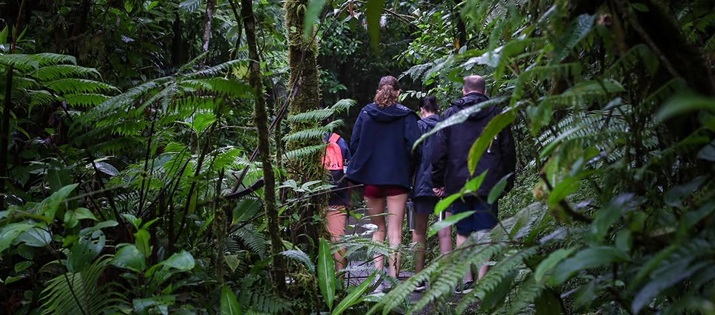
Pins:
x,y
508,149
357,130
439,154
412,133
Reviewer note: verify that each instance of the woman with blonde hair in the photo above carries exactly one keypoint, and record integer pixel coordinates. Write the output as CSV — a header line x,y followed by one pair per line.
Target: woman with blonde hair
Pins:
x,y
384,162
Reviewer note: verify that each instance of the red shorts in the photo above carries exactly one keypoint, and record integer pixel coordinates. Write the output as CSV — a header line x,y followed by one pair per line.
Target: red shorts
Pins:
x,y
380,191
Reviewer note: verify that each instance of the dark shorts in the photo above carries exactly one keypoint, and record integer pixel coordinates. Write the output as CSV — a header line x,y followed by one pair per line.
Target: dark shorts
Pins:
x,y
425,205
340,196
381,191
483,219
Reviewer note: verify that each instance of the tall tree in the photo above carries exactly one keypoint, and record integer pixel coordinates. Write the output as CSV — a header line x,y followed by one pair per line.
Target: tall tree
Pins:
x,y
278,271
304,85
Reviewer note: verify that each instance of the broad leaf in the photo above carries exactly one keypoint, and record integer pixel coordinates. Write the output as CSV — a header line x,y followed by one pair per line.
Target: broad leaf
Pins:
x,y
10,232
683,104
355,296
374,14
229,303
447,222
550,262
183,261
498,189
301,257
129,257
326,273
587,259
486,139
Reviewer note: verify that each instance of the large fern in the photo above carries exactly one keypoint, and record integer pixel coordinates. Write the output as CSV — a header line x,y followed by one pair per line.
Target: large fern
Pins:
x,y
81,292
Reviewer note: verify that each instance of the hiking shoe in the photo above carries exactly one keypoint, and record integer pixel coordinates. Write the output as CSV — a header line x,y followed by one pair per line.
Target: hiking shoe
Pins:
x,y
465,288
421,287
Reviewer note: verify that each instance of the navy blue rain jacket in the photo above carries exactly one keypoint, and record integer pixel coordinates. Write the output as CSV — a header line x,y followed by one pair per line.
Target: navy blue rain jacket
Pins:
x,y
423,177
381,146
452,144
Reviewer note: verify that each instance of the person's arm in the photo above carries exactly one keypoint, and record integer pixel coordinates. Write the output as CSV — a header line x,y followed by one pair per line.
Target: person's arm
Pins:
x,y
412,133
508,150
439,155
357,130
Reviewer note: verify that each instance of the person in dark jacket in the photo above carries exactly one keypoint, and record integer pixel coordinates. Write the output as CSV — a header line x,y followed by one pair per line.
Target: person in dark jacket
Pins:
x,y
382,160
423,198
450,171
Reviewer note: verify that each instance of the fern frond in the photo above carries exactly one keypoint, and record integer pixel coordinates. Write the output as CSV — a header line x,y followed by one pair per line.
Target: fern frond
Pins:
x,y
267,302
639,54
343,105
20,62
121,102
527,292
495,275
40,97
55,72
219,69
85,99
74,85
578,29
308,134
79,293
312,116
305,152
219,86
46,59
252,238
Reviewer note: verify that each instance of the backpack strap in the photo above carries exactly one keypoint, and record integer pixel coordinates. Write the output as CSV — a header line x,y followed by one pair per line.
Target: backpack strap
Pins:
x,y
334,138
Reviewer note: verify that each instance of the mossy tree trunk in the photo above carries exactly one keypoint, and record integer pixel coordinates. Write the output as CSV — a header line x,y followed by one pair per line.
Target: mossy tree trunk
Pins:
x,y
278,270
304,87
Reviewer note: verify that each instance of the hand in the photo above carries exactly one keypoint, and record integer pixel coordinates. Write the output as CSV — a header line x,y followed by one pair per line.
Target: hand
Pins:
x,y
438,191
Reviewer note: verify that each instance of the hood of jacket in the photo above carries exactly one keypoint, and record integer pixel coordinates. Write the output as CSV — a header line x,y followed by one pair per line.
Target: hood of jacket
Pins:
x,y
431,120
472,99
387,114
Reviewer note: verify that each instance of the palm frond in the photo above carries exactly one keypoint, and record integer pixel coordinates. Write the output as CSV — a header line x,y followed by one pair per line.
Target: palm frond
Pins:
x,y
55,72
80,293
305,152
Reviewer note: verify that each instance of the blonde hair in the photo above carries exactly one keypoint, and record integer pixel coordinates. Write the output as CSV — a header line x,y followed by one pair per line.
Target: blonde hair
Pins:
x,y
387,91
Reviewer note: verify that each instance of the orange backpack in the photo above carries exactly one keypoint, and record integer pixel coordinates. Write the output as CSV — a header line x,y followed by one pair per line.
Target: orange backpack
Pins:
x,y
333,159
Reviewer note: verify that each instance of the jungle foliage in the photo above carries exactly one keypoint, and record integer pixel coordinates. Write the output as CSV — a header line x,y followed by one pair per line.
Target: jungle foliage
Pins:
x,y
131,179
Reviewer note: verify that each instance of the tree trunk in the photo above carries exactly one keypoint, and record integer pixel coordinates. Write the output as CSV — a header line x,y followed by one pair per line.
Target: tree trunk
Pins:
x,y
269,204
304,87
207,25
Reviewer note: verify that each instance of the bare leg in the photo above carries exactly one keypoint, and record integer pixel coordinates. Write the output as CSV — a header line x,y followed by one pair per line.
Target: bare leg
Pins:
x,y
460,240
336,218
445,238
396,211
419,236
375,208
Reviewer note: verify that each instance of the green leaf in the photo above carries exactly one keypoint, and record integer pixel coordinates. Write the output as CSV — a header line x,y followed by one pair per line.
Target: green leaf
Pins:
x,y
72,217
486,139
183,261
326,273
232,261
563,189
498,189
355,296
107,168
549,303
161,303
445,203
708,152
676,273
141,239
129,257
229,303
683,104
447,222
586,259
10,232
202,121
550,262
85,251
245,210
301,257
22,266
374,13
473,184
36,237
49,206
311,17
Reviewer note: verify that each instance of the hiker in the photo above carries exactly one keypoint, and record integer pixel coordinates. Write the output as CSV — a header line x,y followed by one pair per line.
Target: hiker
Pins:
x,y
423,198
450,172
337,156
383,160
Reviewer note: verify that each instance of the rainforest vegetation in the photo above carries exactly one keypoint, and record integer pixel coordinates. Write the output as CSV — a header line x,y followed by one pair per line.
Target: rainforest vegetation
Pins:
x,y
163,157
